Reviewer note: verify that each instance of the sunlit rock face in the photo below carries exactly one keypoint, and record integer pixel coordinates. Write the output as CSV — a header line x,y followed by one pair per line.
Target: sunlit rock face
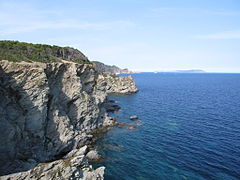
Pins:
x,y
46,110
120,85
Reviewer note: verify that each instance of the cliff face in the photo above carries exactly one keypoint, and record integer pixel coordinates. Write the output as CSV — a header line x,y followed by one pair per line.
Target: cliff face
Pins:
x,y
120,85
116,84
46,110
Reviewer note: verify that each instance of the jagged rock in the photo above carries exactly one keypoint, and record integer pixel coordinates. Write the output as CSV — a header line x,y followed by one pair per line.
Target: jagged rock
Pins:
x,y
93,155
133,117
77,152
121,85
76,168
109,121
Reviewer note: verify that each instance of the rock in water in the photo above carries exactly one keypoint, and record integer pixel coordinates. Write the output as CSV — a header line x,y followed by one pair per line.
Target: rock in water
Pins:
x,y
133,117
93,155
131,127
120,85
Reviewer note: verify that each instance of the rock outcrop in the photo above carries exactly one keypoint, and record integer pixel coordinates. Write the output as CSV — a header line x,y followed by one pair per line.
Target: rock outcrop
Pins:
x,y
76,168
120,85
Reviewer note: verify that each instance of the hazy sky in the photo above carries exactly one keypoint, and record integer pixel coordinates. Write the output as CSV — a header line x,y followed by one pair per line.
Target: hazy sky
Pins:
x,y
143,35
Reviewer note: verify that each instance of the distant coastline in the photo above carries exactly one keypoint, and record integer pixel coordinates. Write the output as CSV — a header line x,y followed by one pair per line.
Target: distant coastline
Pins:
x,y
190,71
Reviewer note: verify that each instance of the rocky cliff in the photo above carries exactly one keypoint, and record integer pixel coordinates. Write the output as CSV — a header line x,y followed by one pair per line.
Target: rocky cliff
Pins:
x,y
48,110
120,85
116,84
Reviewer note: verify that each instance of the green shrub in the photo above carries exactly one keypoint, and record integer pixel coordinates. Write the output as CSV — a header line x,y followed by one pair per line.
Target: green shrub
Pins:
x,y
21,51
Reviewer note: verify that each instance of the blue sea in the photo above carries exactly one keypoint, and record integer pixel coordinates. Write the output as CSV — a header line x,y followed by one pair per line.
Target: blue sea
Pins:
x,y
188,129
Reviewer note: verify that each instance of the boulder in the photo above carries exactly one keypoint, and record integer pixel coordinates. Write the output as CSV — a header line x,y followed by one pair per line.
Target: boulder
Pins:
x,y
93,155
134,117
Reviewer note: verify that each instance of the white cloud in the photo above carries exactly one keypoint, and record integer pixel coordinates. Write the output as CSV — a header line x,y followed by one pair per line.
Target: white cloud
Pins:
x,y
221,35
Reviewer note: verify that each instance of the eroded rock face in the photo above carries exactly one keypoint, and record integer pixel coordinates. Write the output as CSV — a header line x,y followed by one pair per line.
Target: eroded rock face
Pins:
x,y
120,85
76,168
46,113
45,110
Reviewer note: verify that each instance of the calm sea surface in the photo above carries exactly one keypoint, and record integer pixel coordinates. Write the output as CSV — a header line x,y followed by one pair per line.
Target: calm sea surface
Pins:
x,y
188,128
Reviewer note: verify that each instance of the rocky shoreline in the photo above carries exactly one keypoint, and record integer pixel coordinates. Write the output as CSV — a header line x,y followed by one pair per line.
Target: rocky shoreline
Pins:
x,y
48,114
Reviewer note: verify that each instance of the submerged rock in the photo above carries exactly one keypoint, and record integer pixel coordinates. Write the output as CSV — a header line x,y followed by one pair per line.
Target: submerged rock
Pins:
x,y
110,107
131,127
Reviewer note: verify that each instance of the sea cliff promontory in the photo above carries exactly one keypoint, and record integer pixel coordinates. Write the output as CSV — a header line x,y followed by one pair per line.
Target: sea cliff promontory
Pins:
x,y
51,100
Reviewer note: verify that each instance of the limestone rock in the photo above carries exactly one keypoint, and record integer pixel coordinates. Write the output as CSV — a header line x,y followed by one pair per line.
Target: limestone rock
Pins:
x,y
77,152
76,168
46,111
109,121
93,155
120,85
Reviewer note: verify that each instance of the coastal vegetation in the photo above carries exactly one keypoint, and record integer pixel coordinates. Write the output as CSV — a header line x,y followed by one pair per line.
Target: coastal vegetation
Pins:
x,y
20,51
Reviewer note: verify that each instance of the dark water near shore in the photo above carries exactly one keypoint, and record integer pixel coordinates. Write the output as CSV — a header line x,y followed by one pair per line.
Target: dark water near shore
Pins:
x,y
188,128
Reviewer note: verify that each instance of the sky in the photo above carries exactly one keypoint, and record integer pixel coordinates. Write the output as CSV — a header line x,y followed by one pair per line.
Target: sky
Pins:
x,y
142,35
